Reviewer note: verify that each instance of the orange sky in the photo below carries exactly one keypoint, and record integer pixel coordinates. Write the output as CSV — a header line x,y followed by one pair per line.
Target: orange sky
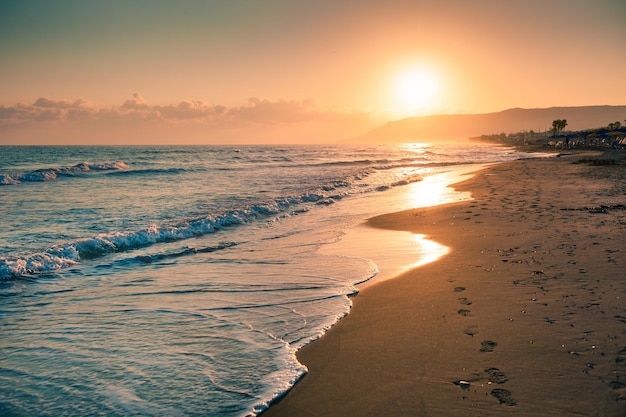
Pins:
x,y
243,71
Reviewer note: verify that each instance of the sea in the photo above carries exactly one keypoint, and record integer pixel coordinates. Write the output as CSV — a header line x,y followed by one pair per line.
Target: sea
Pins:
x,y
181,280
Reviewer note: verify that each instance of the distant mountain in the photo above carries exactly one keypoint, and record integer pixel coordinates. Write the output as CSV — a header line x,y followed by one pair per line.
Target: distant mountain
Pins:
x,y
463,126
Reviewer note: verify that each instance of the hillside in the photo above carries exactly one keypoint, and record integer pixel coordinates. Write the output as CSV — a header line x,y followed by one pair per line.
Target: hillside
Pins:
x,y
464,126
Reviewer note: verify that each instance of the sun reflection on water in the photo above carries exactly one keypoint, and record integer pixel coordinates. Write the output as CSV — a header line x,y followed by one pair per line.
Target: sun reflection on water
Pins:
x,y
428,250
395,252
433,190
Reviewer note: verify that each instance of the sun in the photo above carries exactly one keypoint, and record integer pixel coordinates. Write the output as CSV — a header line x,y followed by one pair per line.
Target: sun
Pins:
x,y
416,89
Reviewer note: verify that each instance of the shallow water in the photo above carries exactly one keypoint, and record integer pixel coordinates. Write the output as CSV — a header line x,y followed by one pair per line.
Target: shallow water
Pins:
x,y
181,280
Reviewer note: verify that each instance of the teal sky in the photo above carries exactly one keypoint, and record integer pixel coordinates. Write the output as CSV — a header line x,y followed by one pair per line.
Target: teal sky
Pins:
x,y
336,57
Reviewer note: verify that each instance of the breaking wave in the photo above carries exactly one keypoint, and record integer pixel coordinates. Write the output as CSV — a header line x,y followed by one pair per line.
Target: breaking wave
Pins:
x,y
50,174
69,254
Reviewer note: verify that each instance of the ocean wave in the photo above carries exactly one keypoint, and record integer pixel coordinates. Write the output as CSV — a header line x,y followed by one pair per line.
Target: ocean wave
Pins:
x,y
50,174
69,254
378,162
159,257
149,171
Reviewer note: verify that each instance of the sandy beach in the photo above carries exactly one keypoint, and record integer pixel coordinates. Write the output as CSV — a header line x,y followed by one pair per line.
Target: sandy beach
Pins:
x,y
525,316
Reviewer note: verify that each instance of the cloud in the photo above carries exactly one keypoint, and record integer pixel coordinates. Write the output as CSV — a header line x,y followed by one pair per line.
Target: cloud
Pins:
x,y
256,111
43,109
208,120
281,111
191,110
58,104
135,103
17,112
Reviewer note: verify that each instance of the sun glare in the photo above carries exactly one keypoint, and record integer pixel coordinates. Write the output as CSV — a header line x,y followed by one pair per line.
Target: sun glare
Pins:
x,y
416,90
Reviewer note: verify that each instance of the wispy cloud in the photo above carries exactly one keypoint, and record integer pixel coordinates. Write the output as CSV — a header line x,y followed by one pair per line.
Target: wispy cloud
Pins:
x,y
137,112
256,111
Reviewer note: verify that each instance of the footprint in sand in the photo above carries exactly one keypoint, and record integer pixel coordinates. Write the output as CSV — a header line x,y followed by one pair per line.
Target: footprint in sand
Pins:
x,y
459,289
503,396
464,312
496,376
465,301
619,388
471,331
488,346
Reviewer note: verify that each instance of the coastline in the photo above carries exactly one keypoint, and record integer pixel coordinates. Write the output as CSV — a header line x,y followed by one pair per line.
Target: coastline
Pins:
x,y
524,315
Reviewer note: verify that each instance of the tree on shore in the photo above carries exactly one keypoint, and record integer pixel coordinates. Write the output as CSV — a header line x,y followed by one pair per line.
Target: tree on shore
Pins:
x,y
558,125
615,126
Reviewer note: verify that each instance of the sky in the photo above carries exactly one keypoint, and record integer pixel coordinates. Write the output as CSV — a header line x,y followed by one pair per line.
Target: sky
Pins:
x,y
292,71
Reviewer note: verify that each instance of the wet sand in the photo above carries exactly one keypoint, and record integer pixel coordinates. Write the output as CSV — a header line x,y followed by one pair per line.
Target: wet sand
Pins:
x,y
525,316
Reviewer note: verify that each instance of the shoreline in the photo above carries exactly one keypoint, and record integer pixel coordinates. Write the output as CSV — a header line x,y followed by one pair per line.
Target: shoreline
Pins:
x,y
523,315
401,247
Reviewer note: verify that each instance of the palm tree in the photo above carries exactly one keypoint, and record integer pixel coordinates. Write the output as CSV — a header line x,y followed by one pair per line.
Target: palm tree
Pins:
x,y
558,125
